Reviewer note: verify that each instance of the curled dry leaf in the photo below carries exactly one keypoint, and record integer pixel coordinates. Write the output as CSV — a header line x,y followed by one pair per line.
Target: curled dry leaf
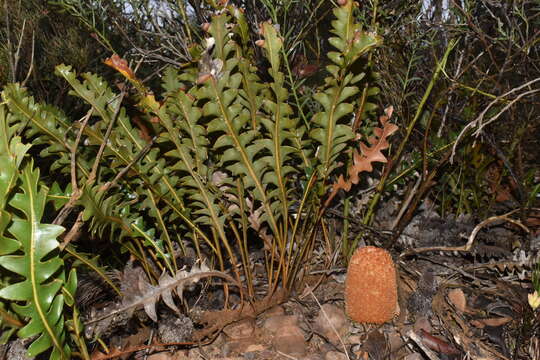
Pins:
x,y
436,344
362,161
203,77
120,65
138,292
302,68
209,68
306,70
147,100
494,322
147,295
457,298
219,179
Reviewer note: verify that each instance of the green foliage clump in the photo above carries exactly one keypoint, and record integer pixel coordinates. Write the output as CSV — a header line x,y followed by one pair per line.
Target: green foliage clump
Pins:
x,y
231,158
39,291
220,162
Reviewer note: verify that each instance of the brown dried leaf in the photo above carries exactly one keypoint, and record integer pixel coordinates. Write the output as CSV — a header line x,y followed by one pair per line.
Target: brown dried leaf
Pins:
x,y
302,68
120,65
457,298
436,344
498,321
362,161
208,68
147,295
139,292
369,154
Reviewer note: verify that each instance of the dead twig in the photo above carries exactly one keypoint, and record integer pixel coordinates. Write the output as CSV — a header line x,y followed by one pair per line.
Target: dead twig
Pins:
x,y
118,176
74,232
478,122
31,67
331,325
76,194
467,247
92,175
406,203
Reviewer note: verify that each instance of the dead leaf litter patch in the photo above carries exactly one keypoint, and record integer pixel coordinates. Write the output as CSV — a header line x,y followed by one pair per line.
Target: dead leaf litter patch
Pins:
x,y
452,304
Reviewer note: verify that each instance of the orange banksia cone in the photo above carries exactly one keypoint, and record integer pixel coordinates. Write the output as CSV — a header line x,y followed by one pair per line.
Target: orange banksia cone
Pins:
x,y
371,286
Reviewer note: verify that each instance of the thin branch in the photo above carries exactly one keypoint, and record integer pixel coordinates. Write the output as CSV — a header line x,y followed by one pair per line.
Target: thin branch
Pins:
x,y
76,194
467,247
31,59
118,176
74,232
331,325
92,175
406,203
18,52
8,36
482,125
478,121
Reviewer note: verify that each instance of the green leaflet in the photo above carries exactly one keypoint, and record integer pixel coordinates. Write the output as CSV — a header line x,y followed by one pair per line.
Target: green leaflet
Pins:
x,y
29,248
12,152
103,212
330,128
47,125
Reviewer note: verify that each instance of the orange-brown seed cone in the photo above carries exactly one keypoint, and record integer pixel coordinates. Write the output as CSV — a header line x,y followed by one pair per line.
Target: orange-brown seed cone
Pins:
x,y
370,286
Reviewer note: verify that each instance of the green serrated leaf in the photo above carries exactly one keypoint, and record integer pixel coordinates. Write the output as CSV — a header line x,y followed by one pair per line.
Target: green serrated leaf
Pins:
x,y
38,295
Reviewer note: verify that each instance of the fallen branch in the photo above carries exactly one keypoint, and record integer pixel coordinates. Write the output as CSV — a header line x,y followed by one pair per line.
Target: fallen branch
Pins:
x,y
467,247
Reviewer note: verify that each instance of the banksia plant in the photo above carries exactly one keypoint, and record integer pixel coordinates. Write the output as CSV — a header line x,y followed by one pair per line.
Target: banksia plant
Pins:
x,y
371,286
220,159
